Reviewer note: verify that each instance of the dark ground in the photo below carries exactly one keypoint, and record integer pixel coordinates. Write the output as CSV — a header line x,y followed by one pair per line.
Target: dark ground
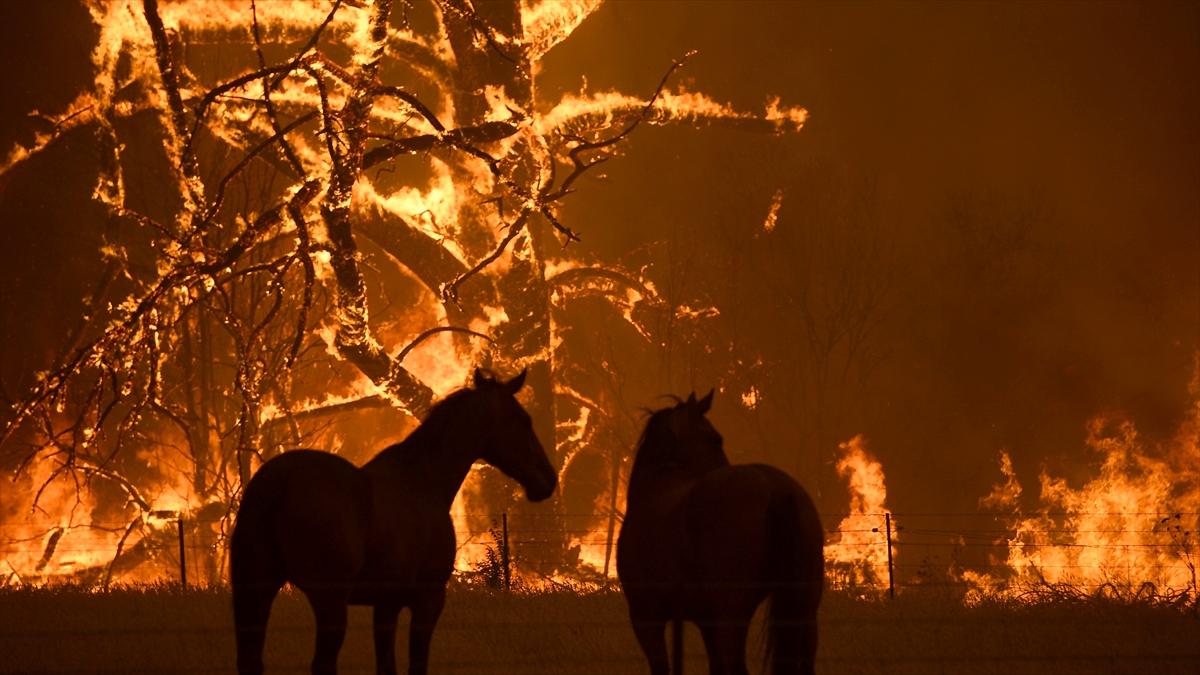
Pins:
x,y
165,631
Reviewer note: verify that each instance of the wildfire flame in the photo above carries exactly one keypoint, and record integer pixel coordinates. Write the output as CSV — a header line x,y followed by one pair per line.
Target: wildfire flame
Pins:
x,y
1130,529
70,536
858,556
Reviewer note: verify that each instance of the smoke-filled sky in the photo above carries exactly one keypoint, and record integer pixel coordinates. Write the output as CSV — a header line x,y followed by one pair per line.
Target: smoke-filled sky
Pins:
x,y
1027,174
1035,172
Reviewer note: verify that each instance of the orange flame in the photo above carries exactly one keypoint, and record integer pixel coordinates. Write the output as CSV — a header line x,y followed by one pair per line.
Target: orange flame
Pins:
x,y
858,556
69,537
1130,529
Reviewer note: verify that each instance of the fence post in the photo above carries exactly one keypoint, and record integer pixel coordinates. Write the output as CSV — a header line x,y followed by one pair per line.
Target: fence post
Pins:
x,y
182,558
505,560
887,526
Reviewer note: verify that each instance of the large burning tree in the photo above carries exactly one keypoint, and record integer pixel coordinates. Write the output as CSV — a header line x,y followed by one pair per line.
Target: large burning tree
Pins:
x,y
312,209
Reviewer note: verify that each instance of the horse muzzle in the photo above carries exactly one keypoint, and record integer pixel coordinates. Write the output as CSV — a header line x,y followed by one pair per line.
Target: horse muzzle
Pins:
x,y
540,490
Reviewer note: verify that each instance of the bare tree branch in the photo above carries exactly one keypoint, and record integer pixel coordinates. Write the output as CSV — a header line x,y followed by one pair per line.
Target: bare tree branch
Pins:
x,y
581,165
450,290
434,331
288,152
278,137
170,82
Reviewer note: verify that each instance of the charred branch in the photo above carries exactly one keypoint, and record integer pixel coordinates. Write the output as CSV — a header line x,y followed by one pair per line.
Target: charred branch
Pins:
x,y
353,338
421,254
450,290
464,137
577,275
304,254
421,58
415,342
581,164
236,83
466,11
311,42
286,147
170,82
116,338
278,137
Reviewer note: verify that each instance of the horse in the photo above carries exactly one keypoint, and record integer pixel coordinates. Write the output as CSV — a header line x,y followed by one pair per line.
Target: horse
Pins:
x,y
707,542
379,535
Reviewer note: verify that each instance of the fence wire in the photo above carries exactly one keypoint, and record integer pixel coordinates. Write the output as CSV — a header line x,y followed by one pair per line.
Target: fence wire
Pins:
x,y
925,555
925,547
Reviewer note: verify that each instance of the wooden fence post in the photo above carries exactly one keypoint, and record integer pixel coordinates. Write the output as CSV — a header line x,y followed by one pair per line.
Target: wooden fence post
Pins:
x,y
182,555
505,559
887,526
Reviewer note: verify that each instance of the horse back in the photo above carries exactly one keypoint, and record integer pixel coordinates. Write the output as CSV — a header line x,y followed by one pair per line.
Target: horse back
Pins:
x,y
305,514
726,515
744,525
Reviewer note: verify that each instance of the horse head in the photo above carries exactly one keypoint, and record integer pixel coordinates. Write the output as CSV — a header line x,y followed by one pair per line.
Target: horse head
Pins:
x,y
681,437
509,442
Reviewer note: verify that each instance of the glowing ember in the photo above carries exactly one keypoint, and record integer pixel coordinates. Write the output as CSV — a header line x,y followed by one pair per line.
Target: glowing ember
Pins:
x,y
773,213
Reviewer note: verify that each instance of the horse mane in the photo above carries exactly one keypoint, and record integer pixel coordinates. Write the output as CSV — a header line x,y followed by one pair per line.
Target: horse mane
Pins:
x,y
439,415
650,413
439,410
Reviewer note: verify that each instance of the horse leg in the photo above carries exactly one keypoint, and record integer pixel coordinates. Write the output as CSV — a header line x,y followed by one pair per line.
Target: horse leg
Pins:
x,y
425,613
725,642
329,606
385,617
649,633
708,633
251,609
808,644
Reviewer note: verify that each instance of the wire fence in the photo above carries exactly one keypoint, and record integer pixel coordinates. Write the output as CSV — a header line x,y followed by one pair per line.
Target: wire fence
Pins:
x,y
928,550
863,550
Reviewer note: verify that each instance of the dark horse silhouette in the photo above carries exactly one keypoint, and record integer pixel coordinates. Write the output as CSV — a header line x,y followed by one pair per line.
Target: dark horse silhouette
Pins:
x,y
378,535
706,541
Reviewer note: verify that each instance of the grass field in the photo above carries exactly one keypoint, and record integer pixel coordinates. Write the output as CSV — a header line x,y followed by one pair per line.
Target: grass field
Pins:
x,y
165,630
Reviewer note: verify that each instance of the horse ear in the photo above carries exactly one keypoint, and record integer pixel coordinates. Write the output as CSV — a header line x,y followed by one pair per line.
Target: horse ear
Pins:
x,y
706,402
481,378
514,385
691,398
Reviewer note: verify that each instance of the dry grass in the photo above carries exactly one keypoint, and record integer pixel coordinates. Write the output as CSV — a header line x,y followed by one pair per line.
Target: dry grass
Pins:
x,y
165,630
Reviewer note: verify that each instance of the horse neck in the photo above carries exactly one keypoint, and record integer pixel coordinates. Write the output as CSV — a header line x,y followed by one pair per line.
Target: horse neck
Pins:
x,y
649,478
435,458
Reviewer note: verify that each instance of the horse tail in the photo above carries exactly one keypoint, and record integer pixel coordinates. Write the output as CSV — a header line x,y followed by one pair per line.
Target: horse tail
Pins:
x,y
797,579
